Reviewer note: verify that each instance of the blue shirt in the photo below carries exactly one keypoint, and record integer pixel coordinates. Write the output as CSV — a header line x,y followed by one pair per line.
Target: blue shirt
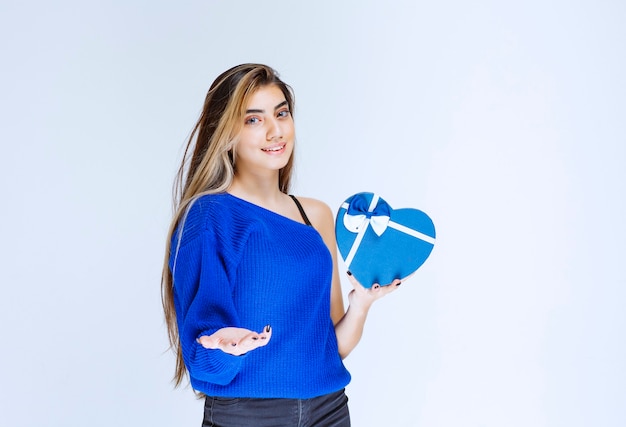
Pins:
x,y
241,265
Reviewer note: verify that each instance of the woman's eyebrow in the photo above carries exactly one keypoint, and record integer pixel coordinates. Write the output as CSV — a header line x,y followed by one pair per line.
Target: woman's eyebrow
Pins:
x,y
253,111
282,104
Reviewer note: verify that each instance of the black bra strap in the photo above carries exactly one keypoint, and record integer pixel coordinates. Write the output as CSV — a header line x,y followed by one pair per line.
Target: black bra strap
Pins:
x,y
304,217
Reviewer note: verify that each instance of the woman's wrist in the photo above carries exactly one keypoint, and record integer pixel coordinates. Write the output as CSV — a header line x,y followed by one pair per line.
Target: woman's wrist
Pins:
x,y
359,308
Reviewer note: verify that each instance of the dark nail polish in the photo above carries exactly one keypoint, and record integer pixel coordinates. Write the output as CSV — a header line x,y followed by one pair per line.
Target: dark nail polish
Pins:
x,y
255,338
234,344
398,284
268,328
349,273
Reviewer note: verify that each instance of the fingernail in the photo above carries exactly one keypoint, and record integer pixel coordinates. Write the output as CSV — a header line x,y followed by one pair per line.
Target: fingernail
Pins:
x,y
268,328
398,284
349,273
234,344
255,338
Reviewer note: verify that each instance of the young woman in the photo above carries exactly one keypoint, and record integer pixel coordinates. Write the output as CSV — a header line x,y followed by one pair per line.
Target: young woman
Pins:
x,y
250,287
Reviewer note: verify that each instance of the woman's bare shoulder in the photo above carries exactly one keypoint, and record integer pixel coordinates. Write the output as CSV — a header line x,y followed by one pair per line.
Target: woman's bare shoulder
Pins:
x,y
319,213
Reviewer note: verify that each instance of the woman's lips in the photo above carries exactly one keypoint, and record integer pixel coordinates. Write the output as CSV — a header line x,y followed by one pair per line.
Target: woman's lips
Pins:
x,y
276,148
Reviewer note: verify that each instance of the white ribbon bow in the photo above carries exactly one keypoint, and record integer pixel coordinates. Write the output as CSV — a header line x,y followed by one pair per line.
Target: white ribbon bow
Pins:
x,y
356,223
357,217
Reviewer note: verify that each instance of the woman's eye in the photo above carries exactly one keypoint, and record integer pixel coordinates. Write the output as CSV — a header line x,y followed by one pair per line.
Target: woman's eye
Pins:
x,y
284,113
252,120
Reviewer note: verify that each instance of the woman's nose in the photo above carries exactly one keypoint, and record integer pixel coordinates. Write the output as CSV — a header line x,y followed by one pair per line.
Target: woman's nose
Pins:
x,y
274,130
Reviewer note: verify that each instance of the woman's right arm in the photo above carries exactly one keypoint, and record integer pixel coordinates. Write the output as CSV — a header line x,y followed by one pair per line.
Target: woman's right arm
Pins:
x,y
206,316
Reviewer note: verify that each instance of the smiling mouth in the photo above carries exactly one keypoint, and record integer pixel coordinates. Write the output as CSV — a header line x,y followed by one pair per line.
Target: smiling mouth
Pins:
x,y
274,148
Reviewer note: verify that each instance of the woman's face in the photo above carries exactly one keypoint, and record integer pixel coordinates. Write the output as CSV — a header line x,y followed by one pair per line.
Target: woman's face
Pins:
x,y
267,138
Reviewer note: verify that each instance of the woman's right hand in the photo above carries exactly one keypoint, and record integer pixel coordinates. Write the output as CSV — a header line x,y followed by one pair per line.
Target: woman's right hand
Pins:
x,y
236,341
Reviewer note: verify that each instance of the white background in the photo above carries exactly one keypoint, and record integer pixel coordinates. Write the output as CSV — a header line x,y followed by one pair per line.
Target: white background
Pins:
x,y
504,121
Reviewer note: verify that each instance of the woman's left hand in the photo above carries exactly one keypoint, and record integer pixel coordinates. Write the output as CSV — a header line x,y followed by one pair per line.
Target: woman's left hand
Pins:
x,y
362,298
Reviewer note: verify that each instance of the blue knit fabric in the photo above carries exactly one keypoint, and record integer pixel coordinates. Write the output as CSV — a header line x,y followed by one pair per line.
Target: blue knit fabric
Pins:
x,y
241,265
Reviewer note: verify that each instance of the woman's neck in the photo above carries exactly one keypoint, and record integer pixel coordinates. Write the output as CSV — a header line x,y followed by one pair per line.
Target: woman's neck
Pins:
x,y
262,191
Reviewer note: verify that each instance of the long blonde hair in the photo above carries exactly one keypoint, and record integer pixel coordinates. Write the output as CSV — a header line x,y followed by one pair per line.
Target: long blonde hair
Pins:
x,y
211,166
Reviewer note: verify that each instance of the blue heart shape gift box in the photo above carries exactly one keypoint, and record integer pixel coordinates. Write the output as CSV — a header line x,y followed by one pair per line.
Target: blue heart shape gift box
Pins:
x,y
378,243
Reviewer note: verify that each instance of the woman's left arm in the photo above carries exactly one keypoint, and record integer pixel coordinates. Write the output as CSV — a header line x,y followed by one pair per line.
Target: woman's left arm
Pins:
x,y
348,323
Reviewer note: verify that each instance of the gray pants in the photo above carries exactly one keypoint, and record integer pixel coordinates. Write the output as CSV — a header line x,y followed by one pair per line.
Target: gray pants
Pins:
x,y
330,410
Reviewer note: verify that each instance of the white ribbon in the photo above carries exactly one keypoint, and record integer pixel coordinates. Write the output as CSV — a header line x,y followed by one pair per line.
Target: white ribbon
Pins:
x,y
358,224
